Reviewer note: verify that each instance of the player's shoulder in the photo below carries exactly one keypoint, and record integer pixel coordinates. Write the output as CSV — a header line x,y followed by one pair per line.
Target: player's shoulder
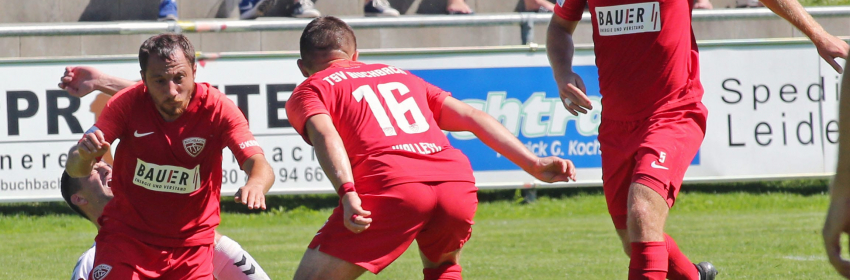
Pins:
x,y
205,90
84,263
209,96
88,254
311,84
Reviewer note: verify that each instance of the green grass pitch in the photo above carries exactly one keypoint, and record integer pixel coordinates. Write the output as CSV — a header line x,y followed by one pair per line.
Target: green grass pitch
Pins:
x,y
749,231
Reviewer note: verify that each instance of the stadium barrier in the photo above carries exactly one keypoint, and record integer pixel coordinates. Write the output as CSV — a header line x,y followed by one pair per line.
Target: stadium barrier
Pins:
x,y
525,20
772,103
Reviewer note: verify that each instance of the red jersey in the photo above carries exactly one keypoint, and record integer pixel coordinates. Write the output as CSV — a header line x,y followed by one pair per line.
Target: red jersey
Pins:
x,y
387,119
645,51
167,175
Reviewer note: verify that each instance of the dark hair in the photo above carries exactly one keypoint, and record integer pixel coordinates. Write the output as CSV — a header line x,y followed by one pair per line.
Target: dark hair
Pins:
x,y
70,186
325,34
163,46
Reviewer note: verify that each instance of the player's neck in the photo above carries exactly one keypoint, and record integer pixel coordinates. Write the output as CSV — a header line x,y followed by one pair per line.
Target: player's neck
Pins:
x,y
330,63
96,212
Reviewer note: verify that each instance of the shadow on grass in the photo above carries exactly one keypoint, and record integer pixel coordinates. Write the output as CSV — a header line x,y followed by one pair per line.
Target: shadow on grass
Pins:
x,y
325,201
801,187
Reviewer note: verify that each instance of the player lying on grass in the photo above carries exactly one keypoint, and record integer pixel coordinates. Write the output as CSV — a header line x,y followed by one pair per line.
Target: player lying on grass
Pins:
x,y
380,128
88,195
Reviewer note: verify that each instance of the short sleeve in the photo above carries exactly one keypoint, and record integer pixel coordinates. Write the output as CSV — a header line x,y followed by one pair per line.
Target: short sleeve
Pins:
x,y
303,104
570,10
237,134
435,96
113,118
84,265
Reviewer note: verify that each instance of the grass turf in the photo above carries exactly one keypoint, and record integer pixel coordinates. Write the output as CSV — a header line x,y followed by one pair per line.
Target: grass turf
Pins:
x,y
749,231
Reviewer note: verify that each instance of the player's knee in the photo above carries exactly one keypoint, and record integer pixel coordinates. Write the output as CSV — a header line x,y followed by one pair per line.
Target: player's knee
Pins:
x,y
639,210
627,248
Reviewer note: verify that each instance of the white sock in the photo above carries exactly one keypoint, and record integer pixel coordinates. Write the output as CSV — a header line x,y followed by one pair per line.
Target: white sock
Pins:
x,y
231,262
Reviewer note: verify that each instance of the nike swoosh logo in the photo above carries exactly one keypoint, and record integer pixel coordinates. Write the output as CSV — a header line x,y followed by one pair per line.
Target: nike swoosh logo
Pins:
x,y
137,134
655,165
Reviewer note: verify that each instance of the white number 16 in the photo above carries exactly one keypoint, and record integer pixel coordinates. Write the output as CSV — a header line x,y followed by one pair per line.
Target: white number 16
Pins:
x,y
397,109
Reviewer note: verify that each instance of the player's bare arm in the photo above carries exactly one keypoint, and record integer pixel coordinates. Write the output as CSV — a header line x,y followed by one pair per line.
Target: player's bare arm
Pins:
x,y
458,116
79,81
260,180
838,215
829,47
89,149
334,160
560,49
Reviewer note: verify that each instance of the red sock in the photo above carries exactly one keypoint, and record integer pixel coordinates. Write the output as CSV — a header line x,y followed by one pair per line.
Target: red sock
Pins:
x,y
680,267
449,271
648,261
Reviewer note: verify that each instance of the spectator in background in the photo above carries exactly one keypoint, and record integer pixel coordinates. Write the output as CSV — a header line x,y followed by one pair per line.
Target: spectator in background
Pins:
x,y
379,8
458,7
748,4
248,9
371,8
539,6
382,8
706,5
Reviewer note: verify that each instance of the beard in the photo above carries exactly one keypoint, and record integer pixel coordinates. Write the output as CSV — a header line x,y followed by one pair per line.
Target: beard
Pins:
x,y
171,108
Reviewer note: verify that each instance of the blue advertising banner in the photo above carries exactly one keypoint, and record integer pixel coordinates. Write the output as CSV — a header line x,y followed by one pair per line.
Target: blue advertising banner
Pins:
x,y
525,100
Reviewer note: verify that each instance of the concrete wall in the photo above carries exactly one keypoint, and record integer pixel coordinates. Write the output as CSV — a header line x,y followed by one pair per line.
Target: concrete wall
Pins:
x,y
21,11
46,46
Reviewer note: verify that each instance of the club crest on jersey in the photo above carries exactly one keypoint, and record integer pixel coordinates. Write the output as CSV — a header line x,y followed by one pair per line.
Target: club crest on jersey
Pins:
x,y
100,272
628,19
194,145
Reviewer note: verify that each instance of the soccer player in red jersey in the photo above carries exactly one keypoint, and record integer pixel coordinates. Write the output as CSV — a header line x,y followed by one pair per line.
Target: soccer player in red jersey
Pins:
x,y
838,215
88,195
653,120
166,182
378,135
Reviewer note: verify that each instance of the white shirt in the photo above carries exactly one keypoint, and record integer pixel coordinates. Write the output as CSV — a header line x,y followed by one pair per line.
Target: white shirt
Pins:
x,y
84,264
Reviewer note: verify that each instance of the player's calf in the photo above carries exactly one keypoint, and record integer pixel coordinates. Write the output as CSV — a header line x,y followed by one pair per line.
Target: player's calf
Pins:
x,y
231,262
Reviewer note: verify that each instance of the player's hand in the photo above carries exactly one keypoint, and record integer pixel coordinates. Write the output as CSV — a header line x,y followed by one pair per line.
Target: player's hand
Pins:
x,y
553,169
80,80
354,217
572,91
837,223
830,47
251,195
93,145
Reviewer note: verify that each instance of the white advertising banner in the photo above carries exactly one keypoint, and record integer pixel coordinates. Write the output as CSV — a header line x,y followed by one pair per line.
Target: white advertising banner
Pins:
x,y
772,114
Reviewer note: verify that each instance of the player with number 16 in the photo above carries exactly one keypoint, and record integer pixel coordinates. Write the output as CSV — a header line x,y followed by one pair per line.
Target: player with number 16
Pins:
x,y
377,132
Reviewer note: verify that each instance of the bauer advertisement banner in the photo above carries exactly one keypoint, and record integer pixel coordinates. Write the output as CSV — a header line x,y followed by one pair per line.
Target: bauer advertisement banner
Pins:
x,y
772,114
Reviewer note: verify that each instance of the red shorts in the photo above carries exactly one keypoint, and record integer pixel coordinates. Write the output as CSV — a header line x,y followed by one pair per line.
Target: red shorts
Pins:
x,y
654,152
437,215
119,256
